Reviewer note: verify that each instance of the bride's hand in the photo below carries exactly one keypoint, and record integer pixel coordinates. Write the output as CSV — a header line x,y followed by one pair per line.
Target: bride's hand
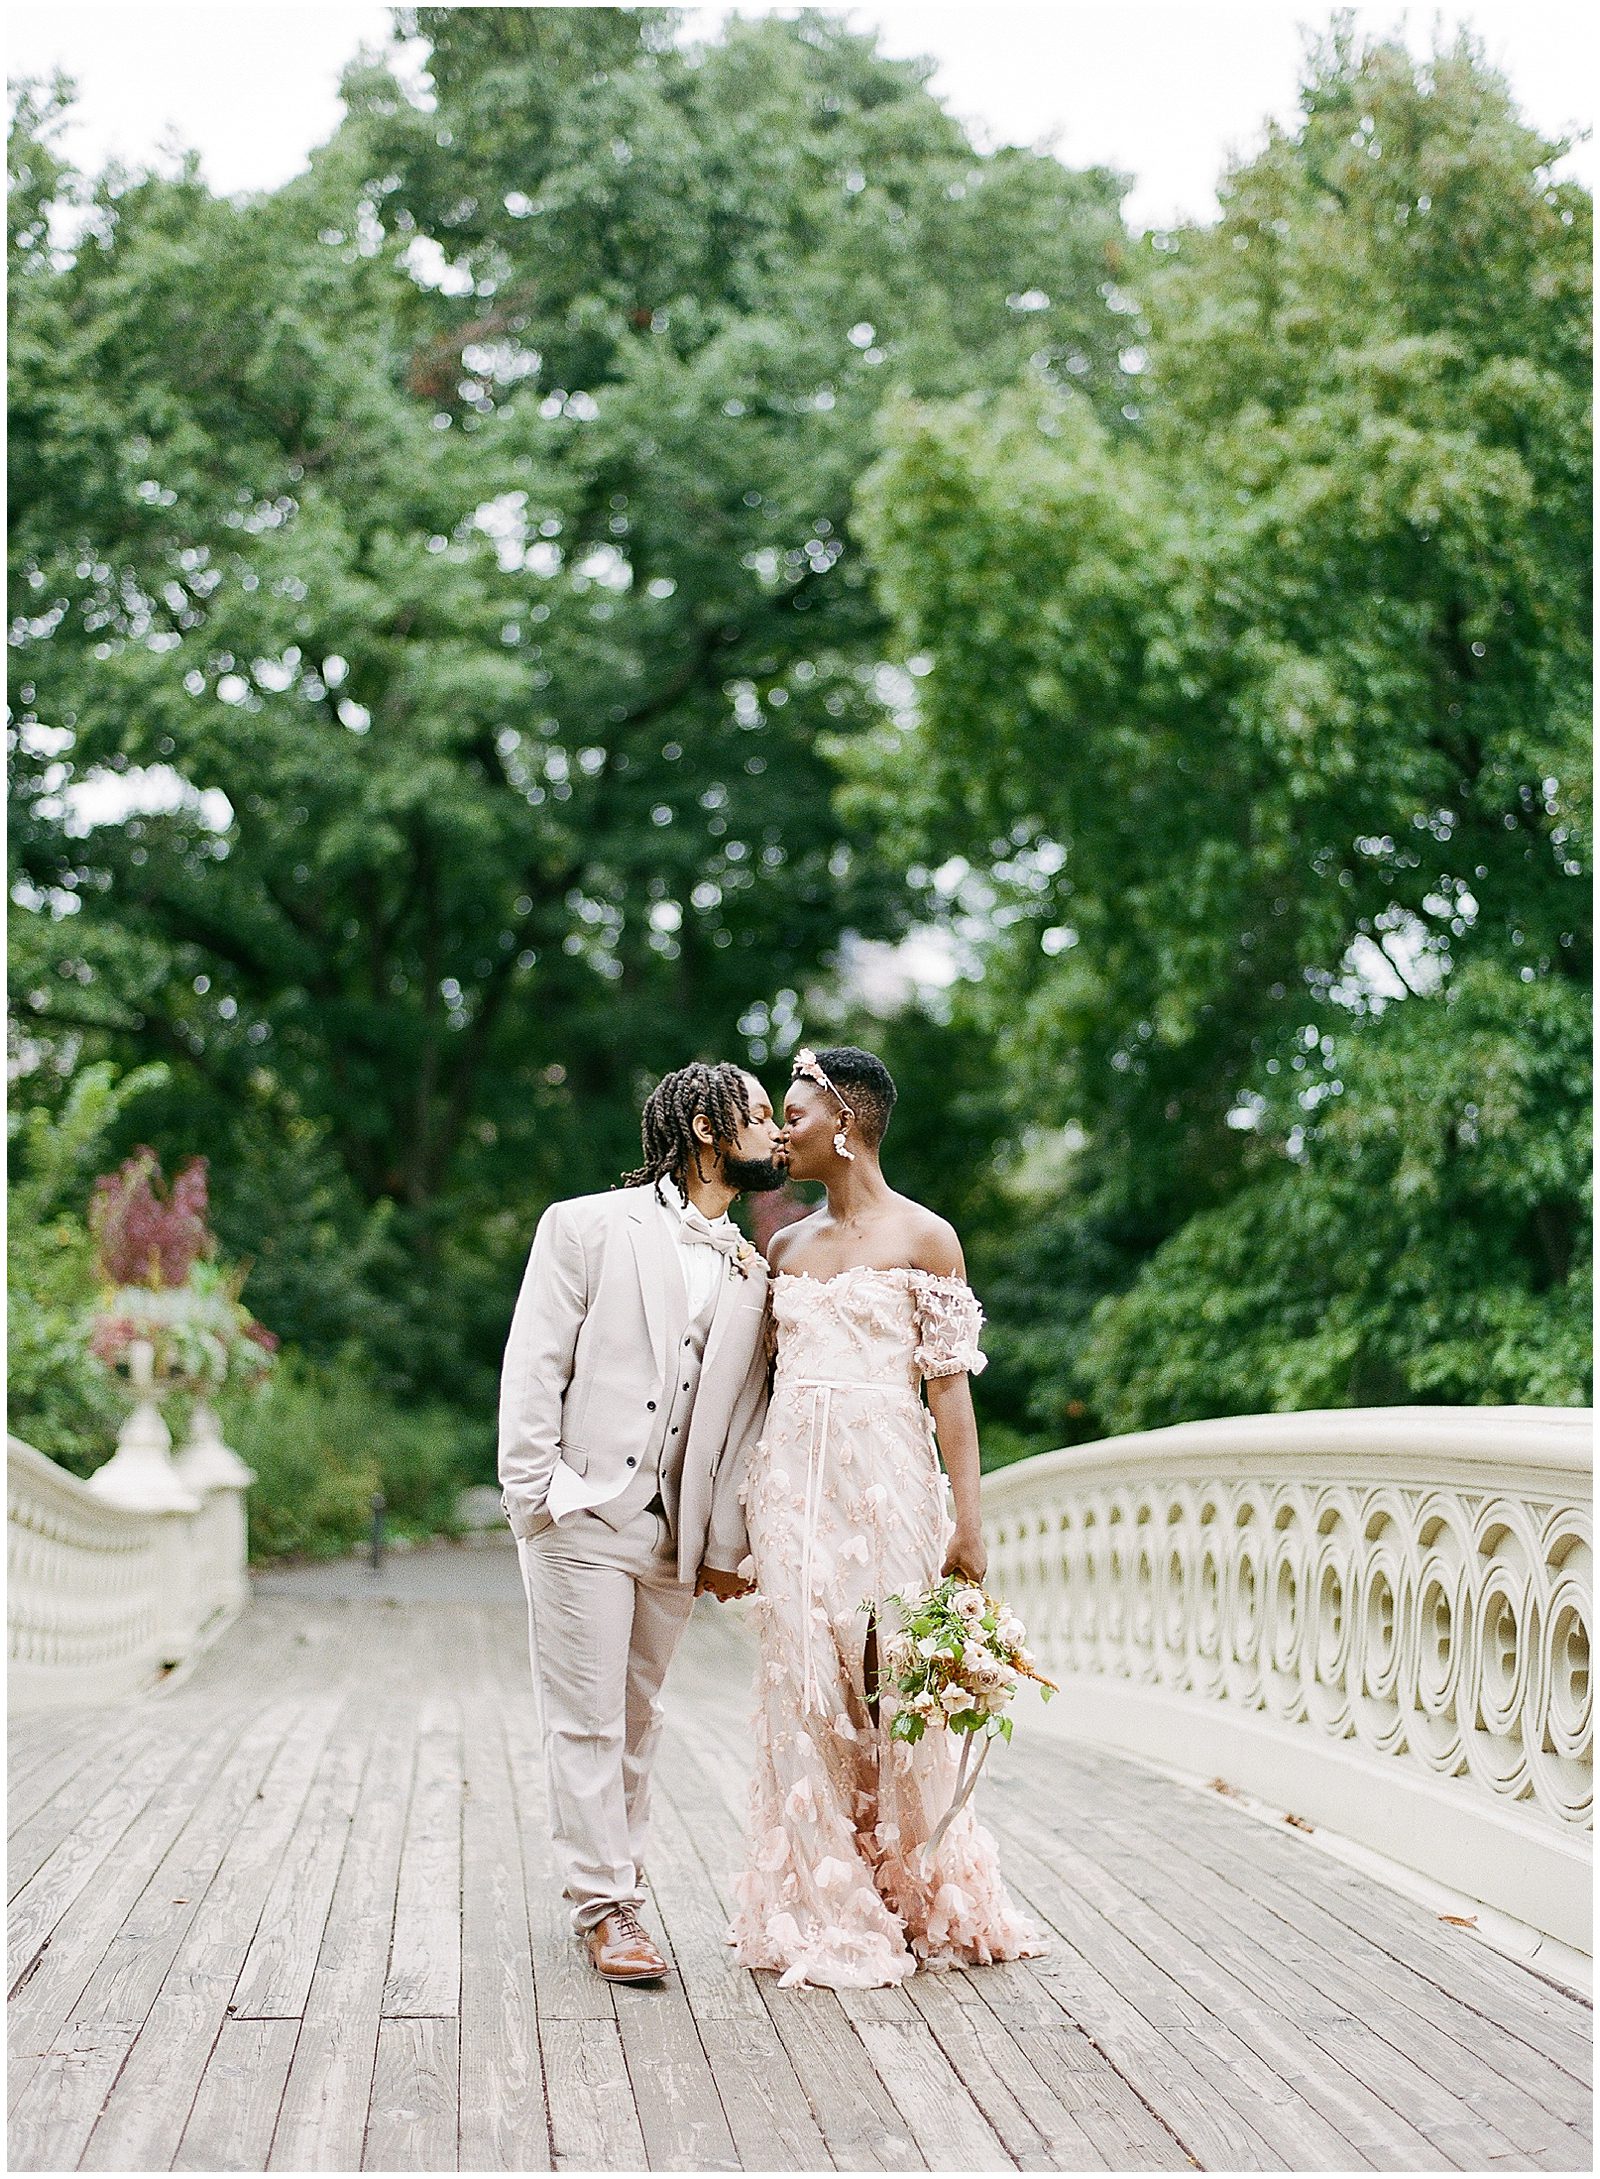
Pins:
x,y
714,1581
966,1555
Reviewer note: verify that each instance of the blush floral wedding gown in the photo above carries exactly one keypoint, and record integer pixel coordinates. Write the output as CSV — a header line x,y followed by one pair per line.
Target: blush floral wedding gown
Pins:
x,y
845,1503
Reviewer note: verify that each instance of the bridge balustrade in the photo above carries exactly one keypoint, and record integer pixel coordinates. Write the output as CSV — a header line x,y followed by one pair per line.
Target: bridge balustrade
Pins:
x,y
101,1596
1378,1620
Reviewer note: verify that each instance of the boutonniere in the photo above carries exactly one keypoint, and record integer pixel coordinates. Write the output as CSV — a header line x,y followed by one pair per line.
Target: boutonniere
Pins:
x,y
744,1256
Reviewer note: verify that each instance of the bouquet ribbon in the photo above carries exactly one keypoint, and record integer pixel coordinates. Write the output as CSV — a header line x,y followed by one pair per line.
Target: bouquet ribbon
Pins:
x,y
966,1780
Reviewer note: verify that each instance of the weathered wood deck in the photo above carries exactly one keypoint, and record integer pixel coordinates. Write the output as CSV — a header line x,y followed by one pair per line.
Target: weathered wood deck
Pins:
x,y
297,1914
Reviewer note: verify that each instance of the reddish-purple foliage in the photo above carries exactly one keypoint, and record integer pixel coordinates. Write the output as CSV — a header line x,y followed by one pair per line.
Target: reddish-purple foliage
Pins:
x,y
265,1340
143,1238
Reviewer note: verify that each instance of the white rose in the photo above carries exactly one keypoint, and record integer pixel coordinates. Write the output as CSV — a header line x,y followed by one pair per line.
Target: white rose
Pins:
x,y
1011,1630
968,1603
955,1697
994,1699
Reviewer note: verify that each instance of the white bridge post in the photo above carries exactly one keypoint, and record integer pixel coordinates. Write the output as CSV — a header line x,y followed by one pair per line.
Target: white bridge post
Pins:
x,y
219,1479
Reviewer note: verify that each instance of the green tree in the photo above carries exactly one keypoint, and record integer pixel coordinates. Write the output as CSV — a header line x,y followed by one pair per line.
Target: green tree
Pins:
x,y
442,564
1429,1247
1259,729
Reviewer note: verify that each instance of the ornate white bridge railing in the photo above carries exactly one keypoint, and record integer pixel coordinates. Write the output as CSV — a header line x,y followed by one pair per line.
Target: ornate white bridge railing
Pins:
x,y
105,1587
1379,1619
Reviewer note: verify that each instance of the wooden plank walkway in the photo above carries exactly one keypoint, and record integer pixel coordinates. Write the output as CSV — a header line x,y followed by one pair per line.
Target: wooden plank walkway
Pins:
x,y
296,1914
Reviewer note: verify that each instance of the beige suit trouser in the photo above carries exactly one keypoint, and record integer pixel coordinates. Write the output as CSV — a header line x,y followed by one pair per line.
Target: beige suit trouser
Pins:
x,y
606,1611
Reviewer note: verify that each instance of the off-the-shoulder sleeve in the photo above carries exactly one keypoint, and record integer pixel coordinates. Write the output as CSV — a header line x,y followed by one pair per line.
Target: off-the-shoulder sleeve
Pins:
x,y
949,1319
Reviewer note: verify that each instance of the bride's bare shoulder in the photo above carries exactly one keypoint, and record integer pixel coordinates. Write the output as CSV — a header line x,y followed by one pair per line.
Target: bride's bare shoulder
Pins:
x,y
932,1243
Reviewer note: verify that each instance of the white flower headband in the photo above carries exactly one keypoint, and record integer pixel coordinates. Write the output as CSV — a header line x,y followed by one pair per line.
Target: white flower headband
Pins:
x,y
807,1063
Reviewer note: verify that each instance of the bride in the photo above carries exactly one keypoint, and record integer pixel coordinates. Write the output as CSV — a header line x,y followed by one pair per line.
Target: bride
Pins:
x,y
845,1506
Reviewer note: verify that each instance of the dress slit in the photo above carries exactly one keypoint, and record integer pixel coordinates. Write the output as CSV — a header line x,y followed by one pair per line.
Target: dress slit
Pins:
x,y
869,1664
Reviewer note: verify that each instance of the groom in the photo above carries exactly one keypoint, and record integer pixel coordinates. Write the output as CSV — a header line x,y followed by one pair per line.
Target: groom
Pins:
x,y
635,1378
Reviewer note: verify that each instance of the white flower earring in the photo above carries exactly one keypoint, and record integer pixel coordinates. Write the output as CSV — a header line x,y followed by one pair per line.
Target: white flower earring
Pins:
x,y
840,1145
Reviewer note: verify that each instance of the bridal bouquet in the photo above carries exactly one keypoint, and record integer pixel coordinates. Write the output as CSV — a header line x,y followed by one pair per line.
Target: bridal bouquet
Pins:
x,y
956,1662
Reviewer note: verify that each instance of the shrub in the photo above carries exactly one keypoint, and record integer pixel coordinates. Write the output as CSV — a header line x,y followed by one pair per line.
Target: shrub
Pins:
x,y
322,1439
1001,1444
57,1400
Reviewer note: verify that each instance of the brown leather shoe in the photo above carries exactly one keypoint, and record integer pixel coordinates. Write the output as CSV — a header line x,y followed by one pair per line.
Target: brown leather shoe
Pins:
x,y
620,1948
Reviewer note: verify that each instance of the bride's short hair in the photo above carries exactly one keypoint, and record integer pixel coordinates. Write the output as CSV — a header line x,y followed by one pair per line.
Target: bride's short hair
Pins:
x,y
866,1085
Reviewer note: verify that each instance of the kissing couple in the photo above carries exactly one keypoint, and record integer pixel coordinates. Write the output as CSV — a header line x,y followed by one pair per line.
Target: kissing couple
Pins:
x,y
679,1417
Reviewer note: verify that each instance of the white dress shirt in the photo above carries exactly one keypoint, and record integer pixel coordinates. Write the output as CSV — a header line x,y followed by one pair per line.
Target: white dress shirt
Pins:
x,y
703,1267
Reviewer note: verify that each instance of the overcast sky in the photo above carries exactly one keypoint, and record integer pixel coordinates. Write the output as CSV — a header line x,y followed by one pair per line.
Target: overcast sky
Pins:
x,y
1164,92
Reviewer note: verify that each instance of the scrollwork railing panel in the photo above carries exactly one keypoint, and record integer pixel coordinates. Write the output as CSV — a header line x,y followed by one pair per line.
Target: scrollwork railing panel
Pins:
x,y
1410,1586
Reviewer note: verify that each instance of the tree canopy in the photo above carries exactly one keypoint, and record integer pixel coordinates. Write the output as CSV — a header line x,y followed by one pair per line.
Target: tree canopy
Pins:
x,y
1263,728
449,554
505,612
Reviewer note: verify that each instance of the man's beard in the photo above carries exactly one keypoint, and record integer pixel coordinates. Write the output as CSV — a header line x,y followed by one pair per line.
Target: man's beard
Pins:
x,y
754,1176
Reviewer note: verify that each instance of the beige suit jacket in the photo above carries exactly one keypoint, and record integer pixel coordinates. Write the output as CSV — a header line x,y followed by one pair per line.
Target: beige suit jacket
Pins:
x,y
589,1362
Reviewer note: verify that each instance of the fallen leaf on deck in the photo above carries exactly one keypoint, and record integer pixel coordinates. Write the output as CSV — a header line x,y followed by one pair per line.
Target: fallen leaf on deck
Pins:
x,y
1300,1823
1460,1921
1221,1785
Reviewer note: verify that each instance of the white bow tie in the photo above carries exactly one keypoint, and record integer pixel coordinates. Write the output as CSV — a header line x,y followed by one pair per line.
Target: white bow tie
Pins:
x,y
697,1227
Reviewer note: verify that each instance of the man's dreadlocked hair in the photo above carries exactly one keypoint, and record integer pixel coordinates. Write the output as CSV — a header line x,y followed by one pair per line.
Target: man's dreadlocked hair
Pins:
x,y
670,1143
